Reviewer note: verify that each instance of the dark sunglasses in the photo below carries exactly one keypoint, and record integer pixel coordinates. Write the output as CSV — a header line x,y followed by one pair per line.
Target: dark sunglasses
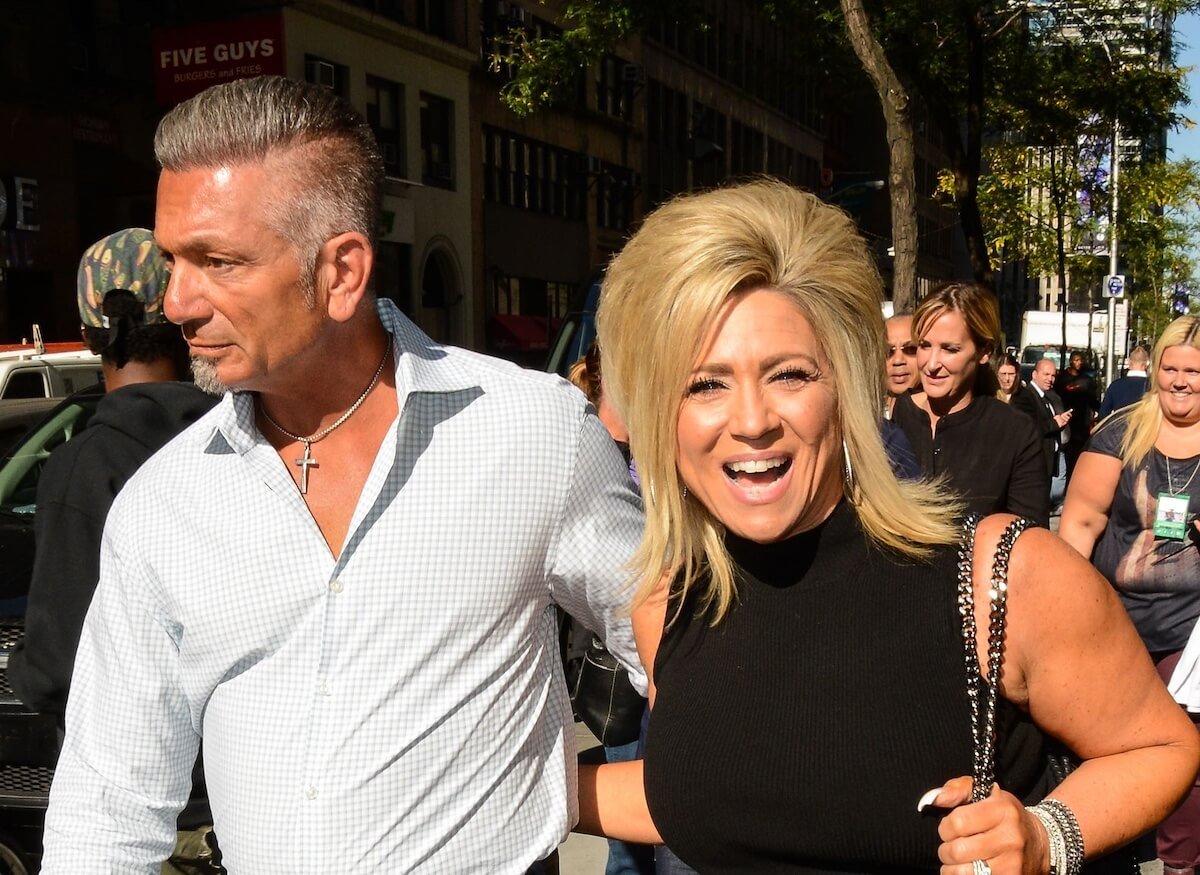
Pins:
x,y
909,349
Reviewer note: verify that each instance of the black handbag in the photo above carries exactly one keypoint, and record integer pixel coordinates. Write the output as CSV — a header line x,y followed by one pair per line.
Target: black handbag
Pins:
x,y
603,698
1060,762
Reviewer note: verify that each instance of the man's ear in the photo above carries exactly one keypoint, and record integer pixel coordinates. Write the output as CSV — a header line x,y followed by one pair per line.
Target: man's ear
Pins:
x,y
344,267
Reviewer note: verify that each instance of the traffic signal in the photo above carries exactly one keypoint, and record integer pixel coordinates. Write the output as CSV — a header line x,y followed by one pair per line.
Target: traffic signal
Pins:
x,y
1179,306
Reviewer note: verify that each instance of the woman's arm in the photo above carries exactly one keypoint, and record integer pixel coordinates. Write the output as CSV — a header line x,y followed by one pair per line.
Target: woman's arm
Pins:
x,y
648,620
612,797
1089,500
1074,661
612,803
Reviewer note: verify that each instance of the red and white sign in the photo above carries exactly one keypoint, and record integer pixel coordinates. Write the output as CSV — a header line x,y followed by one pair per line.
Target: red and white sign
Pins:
x,y
189,59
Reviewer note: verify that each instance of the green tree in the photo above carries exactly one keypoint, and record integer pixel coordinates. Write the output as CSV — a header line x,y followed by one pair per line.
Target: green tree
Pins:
x,y
981,68
1159,224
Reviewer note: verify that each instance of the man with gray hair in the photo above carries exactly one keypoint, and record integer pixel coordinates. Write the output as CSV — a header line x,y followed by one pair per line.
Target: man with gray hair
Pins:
x,y
343,578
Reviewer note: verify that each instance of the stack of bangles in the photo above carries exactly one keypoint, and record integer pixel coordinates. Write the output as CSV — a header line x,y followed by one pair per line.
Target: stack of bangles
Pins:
x,y
1062,832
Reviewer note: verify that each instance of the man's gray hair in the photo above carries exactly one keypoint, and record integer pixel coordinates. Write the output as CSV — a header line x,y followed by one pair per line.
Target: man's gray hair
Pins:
x,y
335,172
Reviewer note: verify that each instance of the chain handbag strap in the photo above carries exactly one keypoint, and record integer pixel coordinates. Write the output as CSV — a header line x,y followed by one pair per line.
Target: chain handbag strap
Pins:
x,y
983,707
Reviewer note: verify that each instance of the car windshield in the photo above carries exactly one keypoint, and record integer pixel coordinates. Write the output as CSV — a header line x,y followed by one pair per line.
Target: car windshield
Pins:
x,y
22,468
1031,355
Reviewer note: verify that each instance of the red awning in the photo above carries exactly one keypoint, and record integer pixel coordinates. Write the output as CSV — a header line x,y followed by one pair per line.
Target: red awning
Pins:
x,y
521,333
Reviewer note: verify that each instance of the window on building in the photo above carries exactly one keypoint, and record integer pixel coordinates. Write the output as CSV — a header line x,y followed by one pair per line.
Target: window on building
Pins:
x,y
532,175
385,115
322,71
393,274
393,9
745,150
781,161
614,197
437,141
435,17
614,91
708,146
666,141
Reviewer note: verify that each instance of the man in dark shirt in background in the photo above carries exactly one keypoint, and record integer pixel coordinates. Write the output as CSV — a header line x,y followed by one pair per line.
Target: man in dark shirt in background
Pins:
x,y
122,280
1130,388
1078,392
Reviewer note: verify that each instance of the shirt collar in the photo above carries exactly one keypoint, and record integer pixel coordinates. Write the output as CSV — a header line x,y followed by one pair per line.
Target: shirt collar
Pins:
x,y
422,365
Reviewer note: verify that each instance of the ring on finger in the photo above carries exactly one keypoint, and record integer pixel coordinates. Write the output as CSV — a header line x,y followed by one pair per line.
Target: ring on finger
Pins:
x,y
980,867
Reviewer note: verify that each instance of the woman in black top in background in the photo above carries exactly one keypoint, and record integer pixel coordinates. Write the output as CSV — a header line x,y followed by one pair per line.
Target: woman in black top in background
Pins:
x,y
989,453
810,687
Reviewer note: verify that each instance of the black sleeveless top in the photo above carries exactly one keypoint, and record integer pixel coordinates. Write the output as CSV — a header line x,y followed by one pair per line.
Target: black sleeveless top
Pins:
x,y
799,733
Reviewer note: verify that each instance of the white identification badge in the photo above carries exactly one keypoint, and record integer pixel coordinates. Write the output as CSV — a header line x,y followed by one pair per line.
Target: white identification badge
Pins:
x,y
1170,517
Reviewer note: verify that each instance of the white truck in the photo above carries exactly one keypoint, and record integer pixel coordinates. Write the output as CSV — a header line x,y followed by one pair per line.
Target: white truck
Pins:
x,y
1042,337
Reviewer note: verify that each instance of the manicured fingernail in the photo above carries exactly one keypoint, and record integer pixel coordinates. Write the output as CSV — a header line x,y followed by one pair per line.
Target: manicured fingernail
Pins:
x,y
928,798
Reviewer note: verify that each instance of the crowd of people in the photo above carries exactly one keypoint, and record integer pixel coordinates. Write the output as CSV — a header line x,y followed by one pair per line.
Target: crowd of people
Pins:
x,y
817,542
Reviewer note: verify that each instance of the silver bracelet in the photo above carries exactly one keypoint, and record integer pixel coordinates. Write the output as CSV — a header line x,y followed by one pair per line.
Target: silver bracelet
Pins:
x,y
1071,832
1063,836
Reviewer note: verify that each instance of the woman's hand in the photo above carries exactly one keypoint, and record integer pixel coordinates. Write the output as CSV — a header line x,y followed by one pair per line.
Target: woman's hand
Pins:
x,y
997,830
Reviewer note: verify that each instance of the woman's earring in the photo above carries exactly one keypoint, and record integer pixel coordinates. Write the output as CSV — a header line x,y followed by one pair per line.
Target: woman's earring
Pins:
x,y
685,492
848,472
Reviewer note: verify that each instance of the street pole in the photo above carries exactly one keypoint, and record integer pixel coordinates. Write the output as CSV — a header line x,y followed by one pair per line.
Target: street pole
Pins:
x,y
1109,364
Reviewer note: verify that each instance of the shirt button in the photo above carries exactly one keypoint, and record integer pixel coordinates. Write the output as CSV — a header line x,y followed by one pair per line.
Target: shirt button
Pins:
x,y
310,791
323,688
335,585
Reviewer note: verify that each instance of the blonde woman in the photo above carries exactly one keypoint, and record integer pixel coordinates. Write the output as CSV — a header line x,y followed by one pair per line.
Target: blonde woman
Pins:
x,y
987,452
798,607
1131,507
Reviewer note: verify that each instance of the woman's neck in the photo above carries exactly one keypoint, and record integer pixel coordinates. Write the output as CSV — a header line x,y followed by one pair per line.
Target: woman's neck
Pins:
x,y
1178,439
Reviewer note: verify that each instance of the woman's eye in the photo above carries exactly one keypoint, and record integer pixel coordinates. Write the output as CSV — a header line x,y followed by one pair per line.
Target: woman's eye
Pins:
x,y
700,387
793,375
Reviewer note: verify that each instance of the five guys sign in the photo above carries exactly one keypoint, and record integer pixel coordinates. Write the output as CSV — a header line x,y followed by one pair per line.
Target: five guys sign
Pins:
x,y
189,59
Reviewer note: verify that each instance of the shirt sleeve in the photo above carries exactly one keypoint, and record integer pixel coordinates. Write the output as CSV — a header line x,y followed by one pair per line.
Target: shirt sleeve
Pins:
x,y
1106,440
125,769
1029,483
602,525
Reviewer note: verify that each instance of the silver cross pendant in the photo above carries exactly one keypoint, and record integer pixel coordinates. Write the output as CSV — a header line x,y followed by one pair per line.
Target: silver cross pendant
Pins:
x,y
306,462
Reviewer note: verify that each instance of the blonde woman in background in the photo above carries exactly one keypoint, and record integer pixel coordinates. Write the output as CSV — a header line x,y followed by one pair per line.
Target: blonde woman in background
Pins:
x,y
798,607
1131,507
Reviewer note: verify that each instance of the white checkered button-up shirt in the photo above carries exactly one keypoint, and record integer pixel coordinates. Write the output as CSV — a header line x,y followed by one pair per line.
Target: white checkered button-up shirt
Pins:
x,y
400,708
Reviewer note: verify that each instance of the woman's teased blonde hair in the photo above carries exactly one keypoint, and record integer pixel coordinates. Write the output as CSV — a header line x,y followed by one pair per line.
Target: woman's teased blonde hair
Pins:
x,y
660,297
1146,416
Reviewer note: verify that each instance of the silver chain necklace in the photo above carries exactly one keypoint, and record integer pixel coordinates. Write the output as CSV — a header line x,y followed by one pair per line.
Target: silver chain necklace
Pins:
x,y
307,461
1170,488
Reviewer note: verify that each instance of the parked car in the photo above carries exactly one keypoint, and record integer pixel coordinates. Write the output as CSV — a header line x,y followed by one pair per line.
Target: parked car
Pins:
x,y
27,372
28,741
576,333
1031,355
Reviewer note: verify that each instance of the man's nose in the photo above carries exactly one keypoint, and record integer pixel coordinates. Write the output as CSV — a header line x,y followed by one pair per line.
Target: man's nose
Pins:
x,y
184,301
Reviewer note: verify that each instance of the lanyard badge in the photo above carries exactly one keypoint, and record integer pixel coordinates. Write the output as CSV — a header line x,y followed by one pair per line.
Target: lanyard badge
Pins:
x,y
1171,516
